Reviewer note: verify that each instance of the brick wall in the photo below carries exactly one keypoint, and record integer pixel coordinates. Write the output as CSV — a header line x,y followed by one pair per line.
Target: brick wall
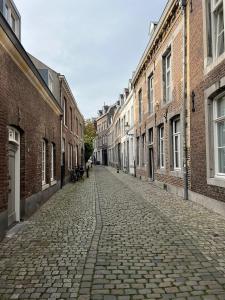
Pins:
x,y
173,38
199,83
23,106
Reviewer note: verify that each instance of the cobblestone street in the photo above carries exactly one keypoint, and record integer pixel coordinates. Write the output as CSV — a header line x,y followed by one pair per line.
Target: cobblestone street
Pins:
x,y
112,237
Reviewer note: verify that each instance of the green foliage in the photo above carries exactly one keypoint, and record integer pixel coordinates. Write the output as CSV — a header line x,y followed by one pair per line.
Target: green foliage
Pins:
x,y
89,136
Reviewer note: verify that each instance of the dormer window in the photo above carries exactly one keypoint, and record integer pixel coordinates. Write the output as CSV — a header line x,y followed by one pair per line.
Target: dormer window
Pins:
x,y
50,82
12,16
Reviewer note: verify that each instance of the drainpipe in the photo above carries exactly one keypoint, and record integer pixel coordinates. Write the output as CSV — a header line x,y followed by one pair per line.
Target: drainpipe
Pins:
x,y
184,108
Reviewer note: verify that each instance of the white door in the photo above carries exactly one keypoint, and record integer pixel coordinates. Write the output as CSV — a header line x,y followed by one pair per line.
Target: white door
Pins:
x,y
12,181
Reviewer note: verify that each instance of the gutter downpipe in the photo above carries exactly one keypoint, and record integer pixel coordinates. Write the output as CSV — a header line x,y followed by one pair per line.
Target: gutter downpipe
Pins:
x,y
185,158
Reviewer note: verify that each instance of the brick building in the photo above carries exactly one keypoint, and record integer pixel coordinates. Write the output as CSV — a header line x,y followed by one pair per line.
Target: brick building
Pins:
x,y
159,102
29,129
72,121
206,56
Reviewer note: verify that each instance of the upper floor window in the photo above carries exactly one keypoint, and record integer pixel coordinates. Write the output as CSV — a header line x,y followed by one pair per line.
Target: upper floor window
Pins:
x,y
150,94
219,135
215,28
150,136
140,104
12,16
176,145
65,111
167,76
50,82
71,119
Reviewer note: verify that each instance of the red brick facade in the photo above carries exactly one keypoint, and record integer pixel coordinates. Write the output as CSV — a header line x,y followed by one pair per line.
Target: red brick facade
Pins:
x,y
27,105
200,80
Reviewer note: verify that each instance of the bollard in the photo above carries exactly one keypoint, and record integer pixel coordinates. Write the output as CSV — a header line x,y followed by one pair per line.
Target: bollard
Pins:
x,y
118,170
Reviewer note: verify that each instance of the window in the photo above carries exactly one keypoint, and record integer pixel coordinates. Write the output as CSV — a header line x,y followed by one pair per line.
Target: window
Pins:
x,y
150,94
13,21
132,115
140,105
150,136
215,27
138,154
143,150
167,76
43,151
50,82
176,146
70,157
77,126
7,13
219,135
161,147
65,111
71,119
53,161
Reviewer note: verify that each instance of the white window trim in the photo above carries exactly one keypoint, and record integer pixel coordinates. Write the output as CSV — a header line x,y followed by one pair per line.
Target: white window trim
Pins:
x,y
178,135
43,162
209,132
52,163
150,94
211,62
161,142
216,120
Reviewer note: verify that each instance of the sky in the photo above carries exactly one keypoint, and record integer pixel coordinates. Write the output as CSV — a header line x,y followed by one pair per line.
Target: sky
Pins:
x,y
96,44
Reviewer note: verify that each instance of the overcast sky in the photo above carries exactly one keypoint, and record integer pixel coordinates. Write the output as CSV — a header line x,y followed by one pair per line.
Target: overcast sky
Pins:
x,y
96,44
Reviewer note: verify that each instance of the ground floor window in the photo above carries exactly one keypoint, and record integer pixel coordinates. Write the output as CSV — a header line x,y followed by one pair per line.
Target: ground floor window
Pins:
x,y
43,151
161,147
219,135
53,161
176,145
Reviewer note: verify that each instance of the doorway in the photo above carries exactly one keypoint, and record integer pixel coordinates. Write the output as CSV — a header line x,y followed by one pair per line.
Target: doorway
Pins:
x,y
13,176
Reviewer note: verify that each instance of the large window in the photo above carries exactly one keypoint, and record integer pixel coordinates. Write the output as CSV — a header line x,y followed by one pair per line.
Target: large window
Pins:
x,y
167,76
71,119
138,152
219,135
65,111
176,146
53,161
70,157
215,27
43,158
140,105
143,154
150,94
161,147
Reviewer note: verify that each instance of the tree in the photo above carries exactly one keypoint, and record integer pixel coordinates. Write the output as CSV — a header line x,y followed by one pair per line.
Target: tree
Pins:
x,y
89,136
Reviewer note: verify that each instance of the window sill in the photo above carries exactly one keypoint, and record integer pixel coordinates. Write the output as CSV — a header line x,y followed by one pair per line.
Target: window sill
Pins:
x,y
53,182
210,64
161,171
176,173
45,186
217,181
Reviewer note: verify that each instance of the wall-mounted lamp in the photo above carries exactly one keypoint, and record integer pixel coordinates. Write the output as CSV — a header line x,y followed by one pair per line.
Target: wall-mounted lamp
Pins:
x,y
193,101
166,115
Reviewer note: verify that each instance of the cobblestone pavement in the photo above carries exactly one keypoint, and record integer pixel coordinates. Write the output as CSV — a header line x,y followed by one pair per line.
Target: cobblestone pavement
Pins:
x,y
114,237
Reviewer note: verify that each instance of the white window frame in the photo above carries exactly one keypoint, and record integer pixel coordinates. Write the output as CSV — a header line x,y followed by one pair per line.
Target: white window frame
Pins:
x,y
161,147
216,121
167,70
212,22
50,82
52,162
140,103
150,94
43,160
176,135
